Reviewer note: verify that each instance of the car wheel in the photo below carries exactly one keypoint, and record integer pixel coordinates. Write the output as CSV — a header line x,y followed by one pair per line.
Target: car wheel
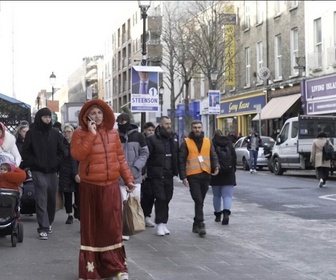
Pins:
x,y
277,167
245,165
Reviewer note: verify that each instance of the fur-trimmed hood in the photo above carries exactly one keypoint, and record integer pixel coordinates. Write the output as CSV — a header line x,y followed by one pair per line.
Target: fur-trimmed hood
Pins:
x,y
109,119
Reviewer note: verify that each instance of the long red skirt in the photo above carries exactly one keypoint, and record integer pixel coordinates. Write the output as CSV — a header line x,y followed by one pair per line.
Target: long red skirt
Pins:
x,y
102,253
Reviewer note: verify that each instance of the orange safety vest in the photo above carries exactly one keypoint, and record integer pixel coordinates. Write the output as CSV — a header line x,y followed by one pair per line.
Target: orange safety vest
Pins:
x,y
194,165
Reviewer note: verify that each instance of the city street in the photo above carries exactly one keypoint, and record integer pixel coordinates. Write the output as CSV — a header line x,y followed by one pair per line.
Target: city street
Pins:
x,y
281,227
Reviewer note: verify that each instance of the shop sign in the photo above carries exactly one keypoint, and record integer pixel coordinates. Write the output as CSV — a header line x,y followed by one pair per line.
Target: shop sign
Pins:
x,y
242,106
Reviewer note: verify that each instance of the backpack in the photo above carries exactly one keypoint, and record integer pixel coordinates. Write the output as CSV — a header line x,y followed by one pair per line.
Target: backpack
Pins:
x,y
224,158
328,151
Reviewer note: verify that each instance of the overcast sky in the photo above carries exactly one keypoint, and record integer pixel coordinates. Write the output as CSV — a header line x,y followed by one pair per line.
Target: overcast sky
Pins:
x,y
51,36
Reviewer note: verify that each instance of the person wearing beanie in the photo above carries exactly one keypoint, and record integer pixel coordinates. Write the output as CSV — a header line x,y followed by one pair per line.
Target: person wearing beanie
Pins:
x,y
136,153
43,152
11,177
97,147
147,197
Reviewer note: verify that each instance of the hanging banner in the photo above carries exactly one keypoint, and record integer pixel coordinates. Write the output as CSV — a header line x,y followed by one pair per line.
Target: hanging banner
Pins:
x,y
145,94
214,106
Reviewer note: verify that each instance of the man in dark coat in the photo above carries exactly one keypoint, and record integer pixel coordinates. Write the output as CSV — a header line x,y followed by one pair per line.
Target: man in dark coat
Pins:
x,y
161,169
43,152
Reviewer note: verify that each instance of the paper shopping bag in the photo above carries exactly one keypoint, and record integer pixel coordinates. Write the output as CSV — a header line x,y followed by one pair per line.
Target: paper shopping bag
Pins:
x,y
133,216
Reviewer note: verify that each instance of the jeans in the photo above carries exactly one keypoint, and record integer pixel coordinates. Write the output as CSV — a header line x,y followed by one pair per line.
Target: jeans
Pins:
x,y
222,193
253,159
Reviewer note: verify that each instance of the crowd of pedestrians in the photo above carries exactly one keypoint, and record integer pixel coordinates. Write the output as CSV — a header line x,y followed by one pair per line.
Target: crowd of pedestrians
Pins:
x,y
95,167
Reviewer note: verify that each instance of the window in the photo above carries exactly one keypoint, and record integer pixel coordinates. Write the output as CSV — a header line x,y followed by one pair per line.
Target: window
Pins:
x,y
259,57
293,4
318,41
276,7
247,16
294,45
278,57
247,67
259,12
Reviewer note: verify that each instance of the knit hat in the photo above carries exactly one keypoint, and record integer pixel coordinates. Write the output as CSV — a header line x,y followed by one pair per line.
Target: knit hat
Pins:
x,y
123,117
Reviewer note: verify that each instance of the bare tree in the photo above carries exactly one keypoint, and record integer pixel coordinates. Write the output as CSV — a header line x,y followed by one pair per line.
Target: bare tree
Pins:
x,y
180,57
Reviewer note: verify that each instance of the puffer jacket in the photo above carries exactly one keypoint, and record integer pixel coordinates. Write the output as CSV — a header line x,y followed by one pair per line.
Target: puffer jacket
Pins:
x,y
101,157
136,152
316,155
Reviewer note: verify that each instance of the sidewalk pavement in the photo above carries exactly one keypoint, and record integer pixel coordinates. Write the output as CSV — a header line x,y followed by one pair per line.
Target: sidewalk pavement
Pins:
x,y
257,244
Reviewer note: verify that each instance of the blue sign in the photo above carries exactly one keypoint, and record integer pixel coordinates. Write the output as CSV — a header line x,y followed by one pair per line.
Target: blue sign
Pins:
x,y
244,105
194,110
321,107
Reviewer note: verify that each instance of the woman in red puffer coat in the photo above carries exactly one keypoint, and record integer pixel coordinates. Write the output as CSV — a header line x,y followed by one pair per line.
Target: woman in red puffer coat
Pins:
x,y
97,147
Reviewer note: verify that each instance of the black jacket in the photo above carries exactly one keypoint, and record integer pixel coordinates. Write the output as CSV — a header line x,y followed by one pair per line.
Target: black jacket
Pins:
x,y
68,172
43,149
183,154
157,144
227,178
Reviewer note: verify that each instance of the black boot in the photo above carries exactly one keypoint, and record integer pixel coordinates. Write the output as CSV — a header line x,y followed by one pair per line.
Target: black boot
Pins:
x,y
218,216
226,214
195,227
201,229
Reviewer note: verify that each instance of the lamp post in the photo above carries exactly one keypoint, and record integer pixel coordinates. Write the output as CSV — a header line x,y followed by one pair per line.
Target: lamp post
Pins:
x,y
144,6
52,79
161,91
38,98
213,77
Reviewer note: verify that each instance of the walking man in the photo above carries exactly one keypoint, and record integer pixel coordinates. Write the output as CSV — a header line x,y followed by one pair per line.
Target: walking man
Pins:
x,y
253,144
43,152
197,162
147,197
161,169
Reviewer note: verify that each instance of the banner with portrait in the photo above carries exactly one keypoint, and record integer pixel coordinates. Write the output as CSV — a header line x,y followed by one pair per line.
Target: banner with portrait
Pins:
x,y
214,106
144,90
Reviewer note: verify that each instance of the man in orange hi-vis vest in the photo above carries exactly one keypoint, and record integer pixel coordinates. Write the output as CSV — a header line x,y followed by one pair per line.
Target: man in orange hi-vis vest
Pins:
x,y
197,162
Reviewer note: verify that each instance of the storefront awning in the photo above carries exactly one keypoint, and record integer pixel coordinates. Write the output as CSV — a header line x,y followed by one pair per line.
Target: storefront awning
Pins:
x,y
277,107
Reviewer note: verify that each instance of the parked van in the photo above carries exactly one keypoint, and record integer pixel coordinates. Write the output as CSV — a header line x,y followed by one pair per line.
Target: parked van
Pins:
x,y
294,142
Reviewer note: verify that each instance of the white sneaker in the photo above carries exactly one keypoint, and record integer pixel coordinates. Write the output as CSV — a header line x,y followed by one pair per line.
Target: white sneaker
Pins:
x,y
254,171
148,222
122,276
160,230
166,231
321,183
251,170
125,237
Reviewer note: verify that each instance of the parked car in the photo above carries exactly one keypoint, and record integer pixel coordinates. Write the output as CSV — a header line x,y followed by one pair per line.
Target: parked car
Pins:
x,y
243,154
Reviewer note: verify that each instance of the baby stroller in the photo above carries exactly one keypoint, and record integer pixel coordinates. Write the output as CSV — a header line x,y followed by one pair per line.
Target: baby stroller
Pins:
x,y
10,223
27,203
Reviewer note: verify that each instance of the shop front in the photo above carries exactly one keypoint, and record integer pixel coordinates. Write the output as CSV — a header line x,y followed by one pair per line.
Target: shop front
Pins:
x,y
236,113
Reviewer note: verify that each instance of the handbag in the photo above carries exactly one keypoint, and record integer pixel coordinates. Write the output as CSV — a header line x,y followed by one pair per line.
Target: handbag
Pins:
x,y
133,216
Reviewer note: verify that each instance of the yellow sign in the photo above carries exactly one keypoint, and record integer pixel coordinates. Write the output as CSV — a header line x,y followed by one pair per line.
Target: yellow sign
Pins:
x,y
230,49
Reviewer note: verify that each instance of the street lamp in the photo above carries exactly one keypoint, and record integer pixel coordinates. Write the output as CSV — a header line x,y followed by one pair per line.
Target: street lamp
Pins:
x,y
38,98
161,91
144,6
52,79
213,77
